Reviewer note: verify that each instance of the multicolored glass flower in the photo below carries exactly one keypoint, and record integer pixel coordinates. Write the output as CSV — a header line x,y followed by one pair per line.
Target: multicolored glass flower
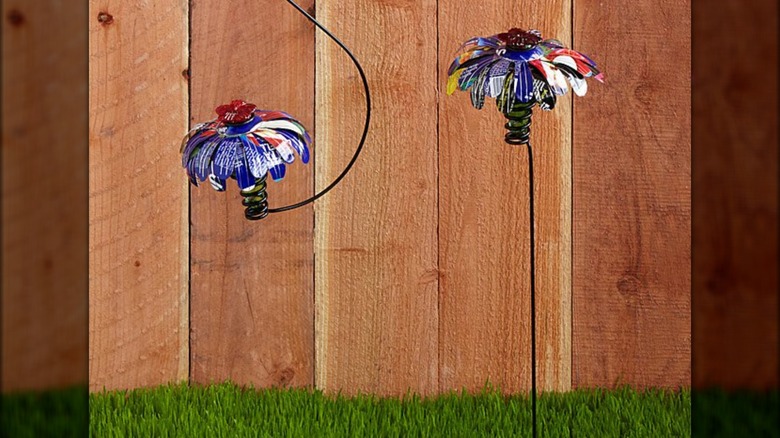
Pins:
x,y
519,70
245,144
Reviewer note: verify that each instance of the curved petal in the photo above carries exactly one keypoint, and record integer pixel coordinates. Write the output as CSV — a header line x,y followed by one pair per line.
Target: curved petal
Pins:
x,y
543,94
506,100
278,171
281,124
205,155
195,144
478,90
491,41
524,82
578,85
243,176
218,183
461,60
496,77
198,129
297,143
255,160
470,74
555,79
224,158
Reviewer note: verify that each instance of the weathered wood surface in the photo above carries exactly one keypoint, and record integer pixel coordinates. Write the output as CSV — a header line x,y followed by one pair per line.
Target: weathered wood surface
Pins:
x,y
376,263
252,282
484,224
735,279
632,190
138,233
44,205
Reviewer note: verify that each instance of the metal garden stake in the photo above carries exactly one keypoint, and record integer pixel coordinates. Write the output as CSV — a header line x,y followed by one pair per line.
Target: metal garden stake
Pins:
x,y
521,70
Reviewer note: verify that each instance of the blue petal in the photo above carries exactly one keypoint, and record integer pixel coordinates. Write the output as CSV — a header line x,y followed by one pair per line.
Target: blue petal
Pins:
x,y
224,158
524,82
297,144
524,55
254,159
217,183
243,177
197,140
203,163
278,171
469,75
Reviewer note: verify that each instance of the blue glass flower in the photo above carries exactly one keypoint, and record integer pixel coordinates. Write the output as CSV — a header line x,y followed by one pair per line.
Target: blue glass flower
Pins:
x,y
519,70
245,144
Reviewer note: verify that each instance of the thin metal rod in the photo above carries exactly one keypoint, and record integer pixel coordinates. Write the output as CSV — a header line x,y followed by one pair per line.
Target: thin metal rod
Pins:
x,y
533,285
365,126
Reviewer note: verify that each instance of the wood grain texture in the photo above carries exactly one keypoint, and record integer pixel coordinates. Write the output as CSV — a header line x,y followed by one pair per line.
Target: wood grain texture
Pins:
x,y
484,224
138,232
44,204
376,265
631,161
252,282
735,273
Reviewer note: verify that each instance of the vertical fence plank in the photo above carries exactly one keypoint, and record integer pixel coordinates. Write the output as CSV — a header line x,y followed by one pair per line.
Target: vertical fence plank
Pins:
x,y
44,272
735,272
137,195
376,266
484,293
632,212
251,284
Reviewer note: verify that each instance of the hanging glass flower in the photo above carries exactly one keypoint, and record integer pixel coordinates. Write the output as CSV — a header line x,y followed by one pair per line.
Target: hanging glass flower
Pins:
x,y
519,70
245,144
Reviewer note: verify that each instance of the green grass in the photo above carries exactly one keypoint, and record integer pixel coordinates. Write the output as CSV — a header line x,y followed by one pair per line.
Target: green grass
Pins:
x,y
55,413
227,410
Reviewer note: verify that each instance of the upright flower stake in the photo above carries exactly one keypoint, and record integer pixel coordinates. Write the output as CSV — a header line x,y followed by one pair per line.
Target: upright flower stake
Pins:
x,y
247,144
520,70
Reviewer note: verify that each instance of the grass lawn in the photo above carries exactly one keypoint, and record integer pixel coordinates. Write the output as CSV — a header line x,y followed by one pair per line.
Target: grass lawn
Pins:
x,y
227,410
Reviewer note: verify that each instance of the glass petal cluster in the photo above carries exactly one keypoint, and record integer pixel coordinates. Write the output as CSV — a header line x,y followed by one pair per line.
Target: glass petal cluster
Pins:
x,y
243,143
519,66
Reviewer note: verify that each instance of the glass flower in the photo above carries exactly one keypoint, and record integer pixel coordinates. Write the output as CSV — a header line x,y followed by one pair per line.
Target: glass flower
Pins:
x,y
245,144
519,69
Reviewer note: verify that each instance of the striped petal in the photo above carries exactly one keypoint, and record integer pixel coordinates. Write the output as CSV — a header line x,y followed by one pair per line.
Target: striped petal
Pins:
x,y
243,175
278,171
194,143
470,74
219,184
524,82
255,160
206,153
479,89
506,100
492,42
496,77
224,158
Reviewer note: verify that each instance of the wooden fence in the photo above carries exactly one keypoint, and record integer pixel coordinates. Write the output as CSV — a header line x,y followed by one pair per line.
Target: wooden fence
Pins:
x,y
412,274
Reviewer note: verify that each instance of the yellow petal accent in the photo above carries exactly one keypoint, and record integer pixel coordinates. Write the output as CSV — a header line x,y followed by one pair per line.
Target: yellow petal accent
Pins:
x,y
452,83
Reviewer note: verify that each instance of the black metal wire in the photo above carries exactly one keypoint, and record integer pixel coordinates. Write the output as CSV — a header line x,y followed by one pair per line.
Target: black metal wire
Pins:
x,y
533,285
365,127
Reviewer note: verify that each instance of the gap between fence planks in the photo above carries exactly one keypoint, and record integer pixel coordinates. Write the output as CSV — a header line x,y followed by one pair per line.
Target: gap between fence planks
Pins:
x,y
632,257
138,234
252,282
483,220
376,265
44,201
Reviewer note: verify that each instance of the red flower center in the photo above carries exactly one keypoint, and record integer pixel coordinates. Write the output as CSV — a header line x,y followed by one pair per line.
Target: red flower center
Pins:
x,y
236,112
519,39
